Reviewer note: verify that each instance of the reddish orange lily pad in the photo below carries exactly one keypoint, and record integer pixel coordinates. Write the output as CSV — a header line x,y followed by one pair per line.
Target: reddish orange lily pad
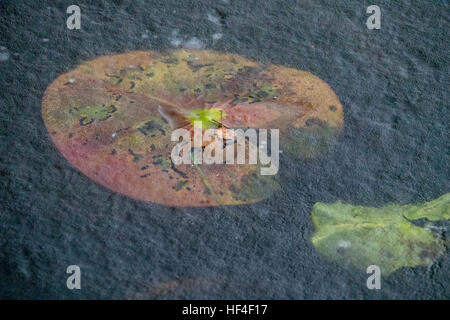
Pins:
x,y
103,117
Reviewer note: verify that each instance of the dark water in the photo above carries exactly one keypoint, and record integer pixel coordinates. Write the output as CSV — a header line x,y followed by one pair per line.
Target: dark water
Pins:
x,y
394,147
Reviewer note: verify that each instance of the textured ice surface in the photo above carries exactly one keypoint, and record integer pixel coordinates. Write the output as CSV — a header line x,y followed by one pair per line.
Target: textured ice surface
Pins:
x,y
217,36
193,43
213,18
4,56
394,146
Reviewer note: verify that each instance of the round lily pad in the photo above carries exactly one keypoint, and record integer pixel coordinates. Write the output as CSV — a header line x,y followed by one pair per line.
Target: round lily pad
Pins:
x,y
109,118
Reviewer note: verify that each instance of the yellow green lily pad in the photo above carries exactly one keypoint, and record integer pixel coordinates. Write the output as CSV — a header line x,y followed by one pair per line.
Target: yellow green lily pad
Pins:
x,y
104,117
360,236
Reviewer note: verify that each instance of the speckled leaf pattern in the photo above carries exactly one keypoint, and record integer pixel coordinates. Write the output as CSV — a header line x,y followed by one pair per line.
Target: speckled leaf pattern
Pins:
x,y
103,117
361,236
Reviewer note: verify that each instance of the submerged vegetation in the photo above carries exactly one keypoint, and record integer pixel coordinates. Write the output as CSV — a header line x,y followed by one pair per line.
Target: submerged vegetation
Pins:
x,y
112,118
360,236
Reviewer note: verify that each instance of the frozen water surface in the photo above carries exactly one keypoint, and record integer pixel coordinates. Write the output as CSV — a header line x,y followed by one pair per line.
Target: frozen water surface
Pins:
x,y
393,148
